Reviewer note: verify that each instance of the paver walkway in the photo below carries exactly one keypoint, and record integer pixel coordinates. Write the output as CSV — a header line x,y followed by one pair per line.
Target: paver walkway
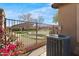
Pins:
x,y
44,54
39,52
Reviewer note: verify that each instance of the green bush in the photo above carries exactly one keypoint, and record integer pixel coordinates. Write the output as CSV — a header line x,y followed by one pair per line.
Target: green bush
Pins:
x,y
28,29
16,29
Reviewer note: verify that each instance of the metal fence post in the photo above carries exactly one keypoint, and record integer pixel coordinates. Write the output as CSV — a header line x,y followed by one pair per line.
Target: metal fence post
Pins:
x,y
36,31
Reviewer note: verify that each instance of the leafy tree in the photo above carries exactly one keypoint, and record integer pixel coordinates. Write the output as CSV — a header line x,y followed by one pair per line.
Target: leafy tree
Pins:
x,y
26,17
31,18
40,19
55,18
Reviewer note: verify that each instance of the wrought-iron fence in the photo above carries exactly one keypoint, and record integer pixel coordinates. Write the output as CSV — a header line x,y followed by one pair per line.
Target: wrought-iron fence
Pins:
x,y
27,35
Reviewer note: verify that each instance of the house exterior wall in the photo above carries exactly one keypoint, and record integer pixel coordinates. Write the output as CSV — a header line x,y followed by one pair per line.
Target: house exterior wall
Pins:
x,y
67,19
77,22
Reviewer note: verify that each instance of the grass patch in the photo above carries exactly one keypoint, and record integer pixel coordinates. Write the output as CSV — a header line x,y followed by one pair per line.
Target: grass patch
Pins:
x,y
20,32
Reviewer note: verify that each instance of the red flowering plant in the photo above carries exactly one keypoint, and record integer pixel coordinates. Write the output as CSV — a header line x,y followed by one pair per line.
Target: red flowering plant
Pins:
x,y
8,49
1,34
11,46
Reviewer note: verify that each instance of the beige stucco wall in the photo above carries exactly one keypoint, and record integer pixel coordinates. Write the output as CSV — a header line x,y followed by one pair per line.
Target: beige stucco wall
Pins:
x,y
67,18
77,22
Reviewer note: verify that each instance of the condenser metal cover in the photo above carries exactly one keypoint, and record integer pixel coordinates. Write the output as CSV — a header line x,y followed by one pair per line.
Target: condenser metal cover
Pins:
x,y
58,45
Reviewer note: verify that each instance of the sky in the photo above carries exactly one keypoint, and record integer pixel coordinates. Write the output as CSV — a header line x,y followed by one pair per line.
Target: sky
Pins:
x,y
13,10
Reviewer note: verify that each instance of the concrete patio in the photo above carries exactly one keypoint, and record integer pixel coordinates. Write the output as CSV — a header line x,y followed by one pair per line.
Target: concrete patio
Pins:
x,y
39,52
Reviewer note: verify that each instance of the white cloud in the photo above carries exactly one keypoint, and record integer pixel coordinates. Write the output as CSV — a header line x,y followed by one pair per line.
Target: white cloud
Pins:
x,y
45,11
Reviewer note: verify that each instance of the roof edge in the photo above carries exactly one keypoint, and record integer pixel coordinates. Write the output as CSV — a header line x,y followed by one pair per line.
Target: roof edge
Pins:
x,y
58,5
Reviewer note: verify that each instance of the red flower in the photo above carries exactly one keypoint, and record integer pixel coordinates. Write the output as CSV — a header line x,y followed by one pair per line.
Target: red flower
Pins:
x,y
11,46
1,50
1,30
5,54
4,50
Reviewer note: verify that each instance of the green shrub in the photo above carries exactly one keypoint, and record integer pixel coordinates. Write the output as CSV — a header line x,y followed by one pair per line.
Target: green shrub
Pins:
x,y
16,29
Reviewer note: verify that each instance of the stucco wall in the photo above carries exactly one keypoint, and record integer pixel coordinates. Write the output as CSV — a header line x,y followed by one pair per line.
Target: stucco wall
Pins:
x,y
67,18
77,22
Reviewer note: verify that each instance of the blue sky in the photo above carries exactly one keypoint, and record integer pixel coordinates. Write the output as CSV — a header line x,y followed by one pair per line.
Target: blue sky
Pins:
x,y
13,10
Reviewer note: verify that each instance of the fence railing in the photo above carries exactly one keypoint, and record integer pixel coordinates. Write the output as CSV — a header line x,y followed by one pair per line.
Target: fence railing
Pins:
x,y
28,35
